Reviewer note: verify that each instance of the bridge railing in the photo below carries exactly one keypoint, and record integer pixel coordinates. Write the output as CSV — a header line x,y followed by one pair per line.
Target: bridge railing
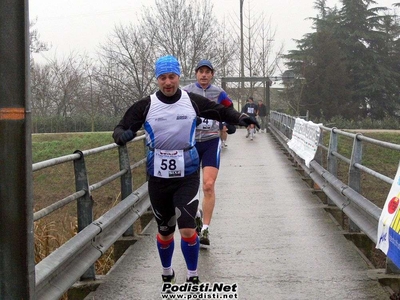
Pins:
x,y
74,260
360,211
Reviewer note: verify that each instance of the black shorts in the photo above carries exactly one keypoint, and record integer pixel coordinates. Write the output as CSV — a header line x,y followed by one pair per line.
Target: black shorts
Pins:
x,y
172,201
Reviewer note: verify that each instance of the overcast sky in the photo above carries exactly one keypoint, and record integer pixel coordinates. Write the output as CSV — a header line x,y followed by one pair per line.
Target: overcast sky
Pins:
x,y
81,25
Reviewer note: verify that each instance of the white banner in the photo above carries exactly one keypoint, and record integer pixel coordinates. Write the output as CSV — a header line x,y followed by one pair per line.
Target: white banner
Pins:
x,y
389,223
305,138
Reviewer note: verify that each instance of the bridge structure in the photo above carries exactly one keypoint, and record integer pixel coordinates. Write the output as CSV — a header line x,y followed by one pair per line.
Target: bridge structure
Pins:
x,y
270,235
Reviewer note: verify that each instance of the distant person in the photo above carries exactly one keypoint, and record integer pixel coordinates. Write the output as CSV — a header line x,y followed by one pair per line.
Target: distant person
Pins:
x,y
262,114
169,117
210,134
223,132
250,108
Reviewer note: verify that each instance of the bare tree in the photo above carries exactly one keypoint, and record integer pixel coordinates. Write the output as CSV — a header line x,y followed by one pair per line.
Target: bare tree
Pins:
x,y
186,29
57,87
42,90
68,80
90,102
127,61
111,80
35,44
227,51
124,71
259,59
183,28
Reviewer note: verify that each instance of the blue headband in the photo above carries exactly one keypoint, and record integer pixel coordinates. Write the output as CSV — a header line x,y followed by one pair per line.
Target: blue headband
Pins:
x,y
167,64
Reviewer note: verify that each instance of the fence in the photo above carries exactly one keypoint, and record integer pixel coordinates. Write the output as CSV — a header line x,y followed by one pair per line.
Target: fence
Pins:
x,y
75,259
362,213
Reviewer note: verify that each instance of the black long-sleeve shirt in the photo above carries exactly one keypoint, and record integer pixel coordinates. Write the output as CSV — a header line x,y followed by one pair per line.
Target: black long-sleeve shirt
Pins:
x,y
135,116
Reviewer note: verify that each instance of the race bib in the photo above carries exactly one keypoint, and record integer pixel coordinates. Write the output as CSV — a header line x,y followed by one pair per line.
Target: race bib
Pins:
x,y
169,163
250,110
205,124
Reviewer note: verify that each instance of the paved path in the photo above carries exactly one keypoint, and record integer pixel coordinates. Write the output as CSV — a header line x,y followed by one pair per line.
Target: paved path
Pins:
x,y
269,235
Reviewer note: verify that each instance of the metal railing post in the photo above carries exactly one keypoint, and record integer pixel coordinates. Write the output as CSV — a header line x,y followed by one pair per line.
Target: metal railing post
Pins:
x,y
291,126
288,127
332,164
355,174
318,153
84,204
144,148
126,179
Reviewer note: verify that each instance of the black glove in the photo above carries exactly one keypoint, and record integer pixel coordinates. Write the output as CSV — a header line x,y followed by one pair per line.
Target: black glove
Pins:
x,y
230,129
126,136
198,121
245,120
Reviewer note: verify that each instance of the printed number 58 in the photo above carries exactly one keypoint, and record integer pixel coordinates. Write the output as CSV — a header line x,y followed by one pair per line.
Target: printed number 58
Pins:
x,y
168,164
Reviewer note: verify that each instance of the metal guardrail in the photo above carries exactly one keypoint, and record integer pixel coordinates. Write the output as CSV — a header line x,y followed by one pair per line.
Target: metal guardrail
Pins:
x,y
75,259
361,211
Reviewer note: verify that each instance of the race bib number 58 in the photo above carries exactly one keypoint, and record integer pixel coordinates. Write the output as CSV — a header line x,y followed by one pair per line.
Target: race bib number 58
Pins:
x,y
169,163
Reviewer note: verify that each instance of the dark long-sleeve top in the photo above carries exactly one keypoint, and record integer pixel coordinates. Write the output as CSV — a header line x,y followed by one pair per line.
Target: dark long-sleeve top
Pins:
x,y
262,110
135,116
176,136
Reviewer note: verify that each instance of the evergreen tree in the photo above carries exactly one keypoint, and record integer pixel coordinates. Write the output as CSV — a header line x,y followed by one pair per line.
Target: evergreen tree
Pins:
x,y
384,100
353,35
320,66
350,65
327,93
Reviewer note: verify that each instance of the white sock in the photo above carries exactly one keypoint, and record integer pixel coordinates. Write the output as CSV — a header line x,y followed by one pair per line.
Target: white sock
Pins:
x,y
204,227
191,273
168,271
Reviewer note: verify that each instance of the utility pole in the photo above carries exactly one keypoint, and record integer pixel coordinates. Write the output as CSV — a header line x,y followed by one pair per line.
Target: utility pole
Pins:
x,y
17,265
241,48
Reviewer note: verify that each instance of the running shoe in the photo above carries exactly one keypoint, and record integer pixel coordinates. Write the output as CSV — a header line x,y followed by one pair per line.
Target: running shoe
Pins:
x,y
193,280
204,239
199,221
169,278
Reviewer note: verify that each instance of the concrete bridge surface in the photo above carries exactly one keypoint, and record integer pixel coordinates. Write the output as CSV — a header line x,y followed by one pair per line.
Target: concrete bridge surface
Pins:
x,y
269,235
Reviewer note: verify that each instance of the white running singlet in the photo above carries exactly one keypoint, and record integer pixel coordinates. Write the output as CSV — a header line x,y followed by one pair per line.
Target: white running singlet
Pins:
x,y
170,136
